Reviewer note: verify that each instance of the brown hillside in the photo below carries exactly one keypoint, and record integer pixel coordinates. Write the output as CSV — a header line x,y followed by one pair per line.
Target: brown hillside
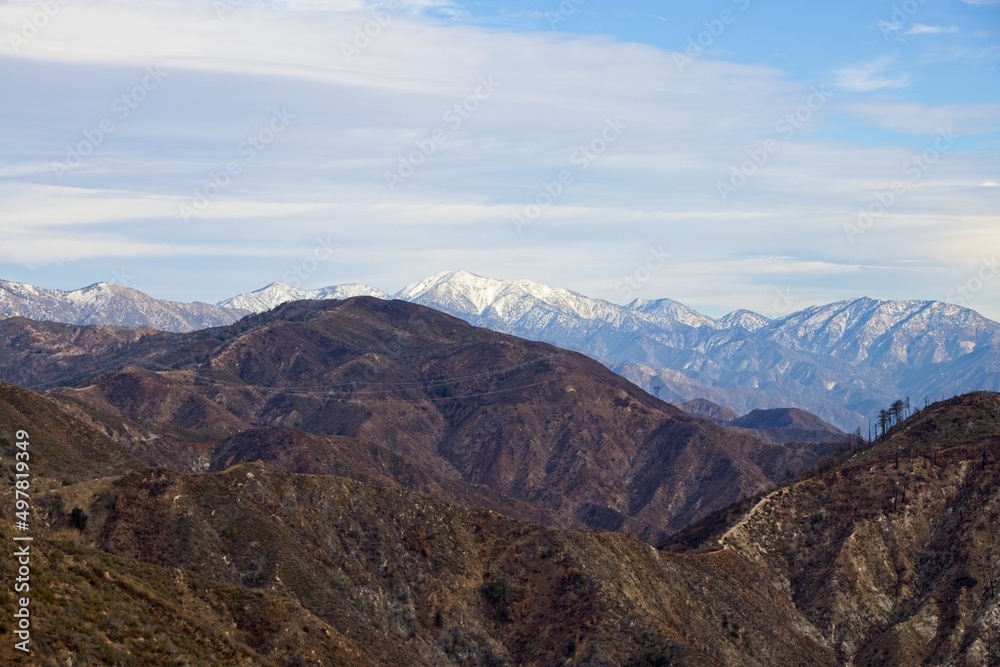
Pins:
x,y
894,553
257,565
889,557
526,420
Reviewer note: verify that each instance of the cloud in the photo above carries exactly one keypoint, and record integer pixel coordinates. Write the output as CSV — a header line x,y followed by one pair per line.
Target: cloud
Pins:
x,y
445,7
357,120
888,27
921,29
919,119
871,76
982,3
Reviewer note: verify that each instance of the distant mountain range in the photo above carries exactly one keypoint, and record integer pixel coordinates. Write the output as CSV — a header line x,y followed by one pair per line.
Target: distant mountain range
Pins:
x,y
111,305
842,361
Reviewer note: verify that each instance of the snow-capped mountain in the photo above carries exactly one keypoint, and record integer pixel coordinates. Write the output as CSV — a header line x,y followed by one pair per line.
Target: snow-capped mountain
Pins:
x,y
842,361
600,329
887,332
509,303
747,319
113,305
108,304
278,293
668,310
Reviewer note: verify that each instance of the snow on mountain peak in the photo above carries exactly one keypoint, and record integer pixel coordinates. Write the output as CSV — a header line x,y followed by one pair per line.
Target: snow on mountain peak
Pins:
x,y
348,291
278,293
459,289
853,329
673,311
264,298
466,294
108,304
747,319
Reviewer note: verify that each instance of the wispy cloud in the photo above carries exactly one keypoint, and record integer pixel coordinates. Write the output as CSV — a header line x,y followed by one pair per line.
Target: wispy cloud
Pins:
x,y
447,7
888,27
355,121
921,29
874,75
919,119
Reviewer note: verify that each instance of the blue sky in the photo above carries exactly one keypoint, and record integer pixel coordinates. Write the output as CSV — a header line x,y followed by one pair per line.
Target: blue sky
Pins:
x,y
778,154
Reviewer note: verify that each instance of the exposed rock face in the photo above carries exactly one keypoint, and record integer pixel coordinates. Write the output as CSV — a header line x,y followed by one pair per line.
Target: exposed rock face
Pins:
x,y
894,554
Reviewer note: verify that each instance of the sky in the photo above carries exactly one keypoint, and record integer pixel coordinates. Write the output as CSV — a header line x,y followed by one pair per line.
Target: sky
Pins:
x,y
726,154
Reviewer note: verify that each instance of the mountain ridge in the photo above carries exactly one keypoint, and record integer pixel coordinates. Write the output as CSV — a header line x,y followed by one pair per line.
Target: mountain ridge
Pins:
x,y
841,361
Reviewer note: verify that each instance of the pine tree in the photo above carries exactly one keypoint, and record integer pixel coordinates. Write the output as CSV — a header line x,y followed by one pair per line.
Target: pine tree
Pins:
x,y
884,420
896,411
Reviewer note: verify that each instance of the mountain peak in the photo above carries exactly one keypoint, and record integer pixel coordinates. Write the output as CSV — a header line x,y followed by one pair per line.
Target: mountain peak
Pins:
x,y
747,319
498,304
106,303
456,280
673,311
276,285
278,292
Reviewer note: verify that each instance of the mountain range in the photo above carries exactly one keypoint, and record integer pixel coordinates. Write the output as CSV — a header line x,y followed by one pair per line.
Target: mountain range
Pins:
x,y
842,361
375,482
886,555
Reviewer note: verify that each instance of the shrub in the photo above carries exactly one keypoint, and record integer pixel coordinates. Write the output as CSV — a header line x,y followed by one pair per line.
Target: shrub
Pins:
x,y
78,519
